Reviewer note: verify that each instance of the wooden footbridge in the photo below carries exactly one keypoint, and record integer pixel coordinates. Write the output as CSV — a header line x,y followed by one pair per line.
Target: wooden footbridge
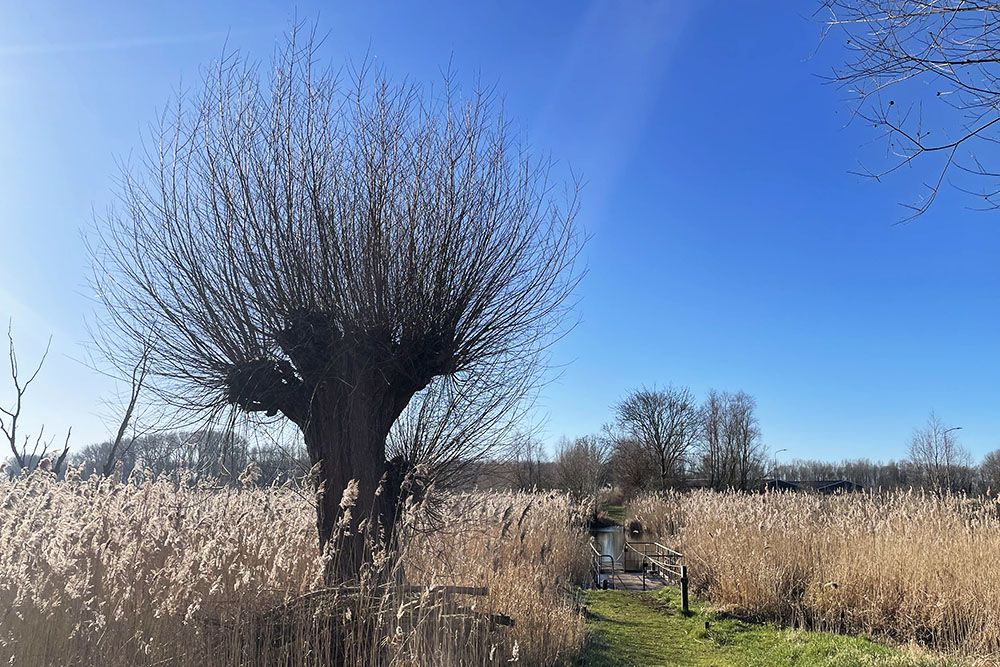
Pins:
x,y
641,566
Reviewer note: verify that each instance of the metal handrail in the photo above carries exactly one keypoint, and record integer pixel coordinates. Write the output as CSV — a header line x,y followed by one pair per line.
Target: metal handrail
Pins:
x,y
661,550
659,565
669,552
664,560
597,559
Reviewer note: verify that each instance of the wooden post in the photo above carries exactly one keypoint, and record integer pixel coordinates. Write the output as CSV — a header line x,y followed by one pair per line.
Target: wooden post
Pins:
x,y
684,591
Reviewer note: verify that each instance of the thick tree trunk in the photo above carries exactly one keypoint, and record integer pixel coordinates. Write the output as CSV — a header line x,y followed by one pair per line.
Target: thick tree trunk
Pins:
x,y
345,434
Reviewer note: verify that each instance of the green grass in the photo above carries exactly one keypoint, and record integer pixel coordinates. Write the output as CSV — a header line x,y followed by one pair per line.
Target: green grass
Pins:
x,y
615,513
647,629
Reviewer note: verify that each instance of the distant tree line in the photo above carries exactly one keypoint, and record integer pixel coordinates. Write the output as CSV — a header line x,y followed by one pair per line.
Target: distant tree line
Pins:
x,y
666,439
657,439
205,454
220,457
936,461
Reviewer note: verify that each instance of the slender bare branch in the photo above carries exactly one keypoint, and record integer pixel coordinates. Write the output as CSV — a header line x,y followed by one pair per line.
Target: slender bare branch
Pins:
x,y
926,74
10,417
137,379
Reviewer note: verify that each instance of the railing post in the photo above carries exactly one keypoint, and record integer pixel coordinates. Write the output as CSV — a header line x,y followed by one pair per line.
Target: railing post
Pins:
x,y
684,591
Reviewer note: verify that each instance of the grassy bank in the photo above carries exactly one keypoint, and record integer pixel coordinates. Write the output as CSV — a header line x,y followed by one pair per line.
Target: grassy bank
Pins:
x,y
614,513
626,629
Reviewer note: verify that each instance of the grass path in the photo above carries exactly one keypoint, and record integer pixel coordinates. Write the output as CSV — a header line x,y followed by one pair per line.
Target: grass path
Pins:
x,y
647,629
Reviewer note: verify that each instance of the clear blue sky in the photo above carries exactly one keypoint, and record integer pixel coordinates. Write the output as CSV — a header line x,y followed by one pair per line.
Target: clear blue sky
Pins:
x,y
731,247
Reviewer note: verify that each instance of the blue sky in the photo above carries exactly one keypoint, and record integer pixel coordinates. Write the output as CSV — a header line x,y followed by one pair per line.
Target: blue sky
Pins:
x,y
731,247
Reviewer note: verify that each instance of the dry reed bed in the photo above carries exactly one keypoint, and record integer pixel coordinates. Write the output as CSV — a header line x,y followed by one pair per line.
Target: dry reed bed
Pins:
x,y
529,549
153,572
903,566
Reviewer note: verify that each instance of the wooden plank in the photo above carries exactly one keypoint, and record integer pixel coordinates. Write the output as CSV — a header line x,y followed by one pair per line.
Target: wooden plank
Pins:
x,y
406,588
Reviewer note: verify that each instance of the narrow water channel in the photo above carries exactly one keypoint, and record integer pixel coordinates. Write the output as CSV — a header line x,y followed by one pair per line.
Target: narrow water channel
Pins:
x,y
609,541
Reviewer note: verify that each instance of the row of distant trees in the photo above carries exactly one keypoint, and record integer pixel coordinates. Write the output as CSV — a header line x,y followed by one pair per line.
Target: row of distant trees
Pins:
x,y
667,439
658,439
205,454
936,461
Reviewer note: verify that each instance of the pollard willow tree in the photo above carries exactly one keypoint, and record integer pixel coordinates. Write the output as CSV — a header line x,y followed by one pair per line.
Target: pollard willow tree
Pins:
x,y
323,249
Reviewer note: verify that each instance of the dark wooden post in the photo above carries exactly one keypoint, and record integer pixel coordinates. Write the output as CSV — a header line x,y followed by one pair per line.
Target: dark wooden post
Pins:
x,y
684,591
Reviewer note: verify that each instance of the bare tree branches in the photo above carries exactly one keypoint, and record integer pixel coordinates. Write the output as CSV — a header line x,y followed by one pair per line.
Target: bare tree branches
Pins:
x,y
449,429
10,418
926,75
325,249
940,461
663,422
731,452
582,466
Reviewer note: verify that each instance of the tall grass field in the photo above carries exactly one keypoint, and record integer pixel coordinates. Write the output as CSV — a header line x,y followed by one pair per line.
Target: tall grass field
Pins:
x,y
901,566
169,572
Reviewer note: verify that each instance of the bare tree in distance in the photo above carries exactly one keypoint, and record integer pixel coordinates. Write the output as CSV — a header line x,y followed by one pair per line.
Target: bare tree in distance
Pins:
x,y
10,418
529,465
926,76
989,471
323,250
131,411
732,454
712,450
581,465
664,422
940,460
633,469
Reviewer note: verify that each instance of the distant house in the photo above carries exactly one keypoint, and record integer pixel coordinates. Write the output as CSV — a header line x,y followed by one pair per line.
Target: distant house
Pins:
x,y
812,486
